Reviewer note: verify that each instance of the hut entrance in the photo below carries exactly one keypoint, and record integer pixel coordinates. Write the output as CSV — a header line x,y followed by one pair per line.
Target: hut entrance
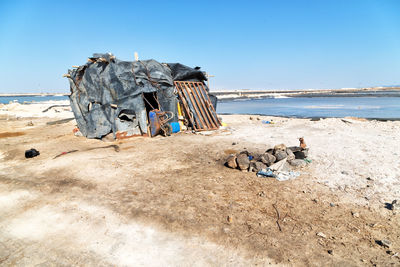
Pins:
x,y
151,102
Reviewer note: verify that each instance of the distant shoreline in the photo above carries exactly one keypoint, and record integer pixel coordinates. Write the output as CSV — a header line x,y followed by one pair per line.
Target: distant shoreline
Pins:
x,y
250,92
228,95
346,92
313,118
34,94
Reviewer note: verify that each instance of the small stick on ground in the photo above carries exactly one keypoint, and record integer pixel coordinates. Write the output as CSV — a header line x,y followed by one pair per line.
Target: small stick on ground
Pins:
x,y
116,148
65,153
60,121
294,227
55,106
279,217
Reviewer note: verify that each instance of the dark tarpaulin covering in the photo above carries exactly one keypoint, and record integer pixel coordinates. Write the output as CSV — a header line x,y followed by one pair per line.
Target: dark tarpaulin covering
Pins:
x,y
181,72
107,93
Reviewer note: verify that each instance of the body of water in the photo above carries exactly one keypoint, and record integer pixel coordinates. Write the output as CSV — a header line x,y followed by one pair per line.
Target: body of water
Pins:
x,y
303,107
308,107
30,99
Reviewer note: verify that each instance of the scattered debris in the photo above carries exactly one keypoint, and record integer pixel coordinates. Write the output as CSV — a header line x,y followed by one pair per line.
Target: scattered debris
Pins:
x,y
262,194
395,205
332,204
65,153
280,165
278,217
77,132
281,175
355,214
267,122
116,149
345,121
320,234
274,162
266,173
55,106
302,143
384,243
31,153
301,154
159,122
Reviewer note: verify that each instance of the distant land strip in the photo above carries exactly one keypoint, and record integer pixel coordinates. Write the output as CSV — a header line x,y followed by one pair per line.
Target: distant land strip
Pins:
x,y
344,92
248,93
35,94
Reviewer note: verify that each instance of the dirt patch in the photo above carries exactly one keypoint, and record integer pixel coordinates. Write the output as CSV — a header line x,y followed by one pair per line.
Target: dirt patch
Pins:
x,y
12,153
180,185
237,211
11,134
231,151
60,185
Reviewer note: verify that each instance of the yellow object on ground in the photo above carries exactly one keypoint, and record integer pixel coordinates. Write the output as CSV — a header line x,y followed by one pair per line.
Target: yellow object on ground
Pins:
x,y
179,109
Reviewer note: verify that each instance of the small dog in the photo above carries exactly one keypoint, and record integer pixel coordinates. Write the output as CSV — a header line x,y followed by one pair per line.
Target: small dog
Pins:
x,y
302,143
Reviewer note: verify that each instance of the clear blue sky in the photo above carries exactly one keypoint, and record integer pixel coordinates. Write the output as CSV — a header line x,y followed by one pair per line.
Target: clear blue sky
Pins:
x,y
245,44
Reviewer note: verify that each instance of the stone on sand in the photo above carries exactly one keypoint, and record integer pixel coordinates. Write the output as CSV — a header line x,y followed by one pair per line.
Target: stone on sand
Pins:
x,y
257,166
298,163
268,159
243,161
231,162
280,155
290,155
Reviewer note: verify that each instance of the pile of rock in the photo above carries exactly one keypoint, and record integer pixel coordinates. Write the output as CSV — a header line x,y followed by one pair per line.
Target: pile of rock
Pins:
x,y
296,156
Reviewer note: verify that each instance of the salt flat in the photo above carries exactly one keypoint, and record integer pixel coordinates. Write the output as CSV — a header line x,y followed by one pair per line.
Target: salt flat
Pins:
x,y
165,201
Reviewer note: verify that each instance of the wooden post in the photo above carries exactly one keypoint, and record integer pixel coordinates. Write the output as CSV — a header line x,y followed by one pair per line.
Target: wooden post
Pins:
x,y
208,79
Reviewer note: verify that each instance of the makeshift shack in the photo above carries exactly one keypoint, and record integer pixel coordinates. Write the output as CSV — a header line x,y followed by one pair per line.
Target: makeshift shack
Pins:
x,y
136,98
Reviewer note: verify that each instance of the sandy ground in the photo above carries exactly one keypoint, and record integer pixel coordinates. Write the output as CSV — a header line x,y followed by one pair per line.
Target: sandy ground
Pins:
x,y
166,201
36,110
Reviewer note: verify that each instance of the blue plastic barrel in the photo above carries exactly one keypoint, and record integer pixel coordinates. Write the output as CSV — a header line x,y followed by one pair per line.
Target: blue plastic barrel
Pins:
x,y
175,127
